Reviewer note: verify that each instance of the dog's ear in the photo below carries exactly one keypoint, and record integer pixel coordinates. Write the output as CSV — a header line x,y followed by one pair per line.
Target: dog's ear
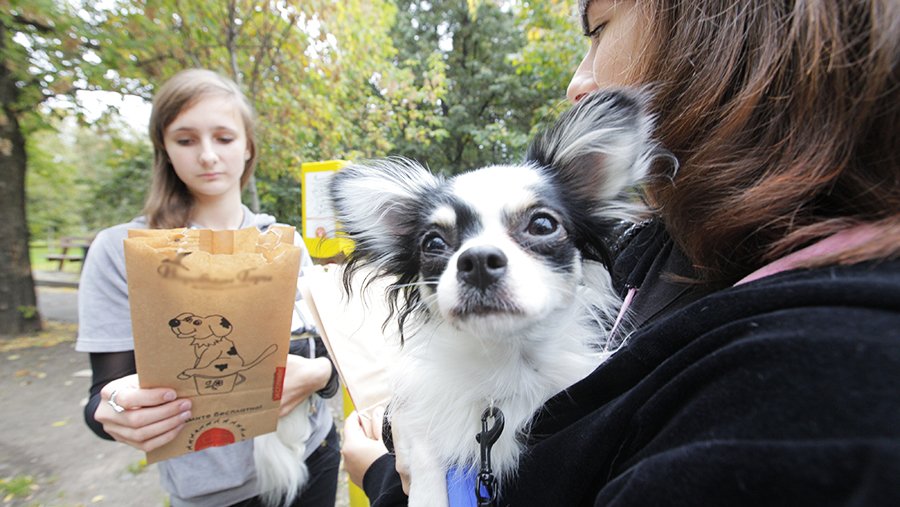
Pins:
x,y
218,325
599,147
378,203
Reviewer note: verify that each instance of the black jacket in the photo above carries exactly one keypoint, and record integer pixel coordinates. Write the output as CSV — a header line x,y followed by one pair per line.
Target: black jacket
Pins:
x,y
783,391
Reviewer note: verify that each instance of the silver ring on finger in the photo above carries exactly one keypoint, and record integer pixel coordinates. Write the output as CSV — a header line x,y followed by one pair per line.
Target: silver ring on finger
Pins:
x,y
112,402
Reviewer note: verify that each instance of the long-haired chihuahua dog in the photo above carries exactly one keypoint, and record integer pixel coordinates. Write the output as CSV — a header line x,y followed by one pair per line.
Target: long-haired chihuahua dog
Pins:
x,y
499,285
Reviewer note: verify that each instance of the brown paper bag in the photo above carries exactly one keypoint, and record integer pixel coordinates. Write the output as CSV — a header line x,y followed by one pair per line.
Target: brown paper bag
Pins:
x,y
353,330
211,316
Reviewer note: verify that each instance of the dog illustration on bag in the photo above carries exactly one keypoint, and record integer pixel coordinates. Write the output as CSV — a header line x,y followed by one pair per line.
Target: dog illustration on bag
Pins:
x,y
219,365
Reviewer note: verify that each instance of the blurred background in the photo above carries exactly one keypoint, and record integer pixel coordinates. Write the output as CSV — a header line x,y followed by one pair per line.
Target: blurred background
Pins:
x,y
453,84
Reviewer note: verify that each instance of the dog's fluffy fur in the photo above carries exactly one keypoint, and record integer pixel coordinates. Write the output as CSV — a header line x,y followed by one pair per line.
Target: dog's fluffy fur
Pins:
x,y
501,293
280,470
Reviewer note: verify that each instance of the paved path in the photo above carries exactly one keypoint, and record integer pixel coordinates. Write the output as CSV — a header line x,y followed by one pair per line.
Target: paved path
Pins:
x,y
42,434
59,304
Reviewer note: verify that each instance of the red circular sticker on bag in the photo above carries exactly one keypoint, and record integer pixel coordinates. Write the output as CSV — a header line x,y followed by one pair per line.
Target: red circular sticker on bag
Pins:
x,y
214,437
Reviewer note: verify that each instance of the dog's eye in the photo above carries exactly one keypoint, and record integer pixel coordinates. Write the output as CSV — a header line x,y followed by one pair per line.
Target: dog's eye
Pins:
x,y
197,323
542,224
434,243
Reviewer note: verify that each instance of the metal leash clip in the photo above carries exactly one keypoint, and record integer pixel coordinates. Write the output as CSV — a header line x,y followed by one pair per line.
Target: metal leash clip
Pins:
x,y
486,483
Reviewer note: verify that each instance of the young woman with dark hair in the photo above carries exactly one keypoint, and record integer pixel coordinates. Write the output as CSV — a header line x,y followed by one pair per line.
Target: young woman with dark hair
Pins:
x,y
760,362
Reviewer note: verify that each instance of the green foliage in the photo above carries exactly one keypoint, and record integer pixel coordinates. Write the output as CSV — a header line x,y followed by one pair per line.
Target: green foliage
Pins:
x,y
53,199
19,486
84,180
28,312
452,84
280,197
138,466
43,52
118,182
493,92
550,55
306,66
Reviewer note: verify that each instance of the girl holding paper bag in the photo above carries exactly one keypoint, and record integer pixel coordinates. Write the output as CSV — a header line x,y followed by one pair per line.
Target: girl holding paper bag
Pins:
x,y
204,153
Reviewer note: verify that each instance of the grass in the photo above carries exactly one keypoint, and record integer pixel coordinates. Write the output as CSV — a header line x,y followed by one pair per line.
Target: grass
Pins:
x,y
19,486
137,467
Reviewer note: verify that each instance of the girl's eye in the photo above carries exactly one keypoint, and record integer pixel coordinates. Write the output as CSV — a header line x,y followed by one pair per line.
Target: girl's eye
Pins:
x,y
226,140
542,224
594,33
183,142
434,243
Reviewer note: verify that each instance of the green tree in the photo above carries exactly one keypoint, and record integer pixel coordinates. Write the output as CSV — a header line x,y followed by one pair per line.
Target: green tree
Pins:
x,y
42,55
53,196
550,54
308,68
115,181
492,53
82,178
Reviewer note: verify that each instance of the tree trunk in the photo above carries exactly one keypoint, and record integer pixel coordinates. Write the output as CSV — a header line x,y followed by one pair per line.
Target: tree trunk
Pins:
x,y
18,304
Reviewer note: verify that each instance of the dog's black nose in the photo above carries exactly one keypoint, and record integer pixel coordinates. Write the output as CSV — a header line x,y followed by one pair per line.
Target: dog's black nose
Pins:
x,y
481,266
174,323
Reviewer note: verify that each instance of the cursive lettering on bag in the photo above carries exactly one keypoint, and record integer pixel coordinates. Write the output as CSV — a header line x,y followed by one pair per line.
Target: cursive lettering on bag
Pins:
x,y
179,273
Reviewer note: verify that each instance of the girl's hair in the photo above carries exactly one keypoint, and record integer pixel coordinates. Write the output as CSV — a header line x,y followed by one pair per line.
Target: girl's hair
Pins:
x,y
785,117
169,203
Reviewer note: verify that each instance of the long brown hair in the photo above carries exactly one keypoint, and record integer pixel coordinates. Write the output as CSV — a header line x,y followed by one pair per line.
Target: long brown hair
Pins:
x,y
169,203
785,118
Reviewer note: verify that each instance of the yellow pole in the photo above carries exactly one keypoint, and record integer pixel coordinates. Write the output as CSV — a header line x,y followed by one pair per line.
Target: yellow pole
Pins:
x,y
357,497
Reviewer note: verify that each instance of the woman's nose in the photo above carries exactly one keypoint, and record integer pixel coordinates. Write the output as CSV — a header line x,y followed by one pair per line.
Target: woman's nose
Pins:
x,y
582,82
207,153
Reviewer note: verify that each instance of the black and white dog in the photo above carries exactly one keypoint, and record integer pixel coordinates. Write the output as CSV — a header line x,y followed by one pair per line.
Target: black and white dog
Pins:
x,y
500,289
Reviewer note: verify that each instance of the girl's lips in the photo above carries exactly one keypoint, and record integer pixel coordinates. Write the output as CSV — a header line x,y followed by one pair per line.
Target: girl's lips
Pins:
x,y
209,176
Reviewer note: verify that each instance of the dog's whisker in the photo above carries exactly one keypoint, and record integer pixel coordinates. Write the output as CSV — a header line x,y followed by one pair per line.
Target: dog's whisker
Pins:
x,y
399,286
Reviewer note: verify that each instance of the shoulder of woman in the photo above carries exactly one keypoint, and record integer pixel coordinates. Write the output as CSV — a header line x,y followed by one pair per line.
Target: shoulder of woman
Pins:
x,y
106,255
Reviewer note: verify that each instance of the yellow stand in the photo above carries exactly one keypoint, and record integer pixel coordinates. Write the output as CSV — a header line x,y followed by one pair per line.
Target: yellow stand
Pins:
x,y
357,497
319,236
318,216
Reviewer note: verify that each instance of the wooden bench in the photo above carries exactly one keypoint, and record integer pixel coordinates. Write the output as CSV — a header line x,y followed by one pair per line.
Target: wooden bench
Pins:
x,y
71,249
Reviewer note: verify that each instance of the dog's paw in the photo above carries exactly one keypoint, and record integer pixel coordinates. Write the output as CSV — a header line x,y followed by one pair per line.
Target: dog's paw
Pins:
x,y
183,376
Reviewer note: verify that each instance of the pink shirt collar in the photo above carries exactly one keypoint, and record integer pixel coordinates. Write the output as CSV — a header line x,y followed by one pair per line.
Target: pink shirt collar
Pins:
x,y
835,243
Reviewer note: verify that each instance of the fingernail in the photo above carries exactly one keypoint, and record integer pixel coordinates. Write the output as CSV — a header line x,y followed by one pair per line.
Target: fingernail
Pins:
x,y
185,405
186,415
169,396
